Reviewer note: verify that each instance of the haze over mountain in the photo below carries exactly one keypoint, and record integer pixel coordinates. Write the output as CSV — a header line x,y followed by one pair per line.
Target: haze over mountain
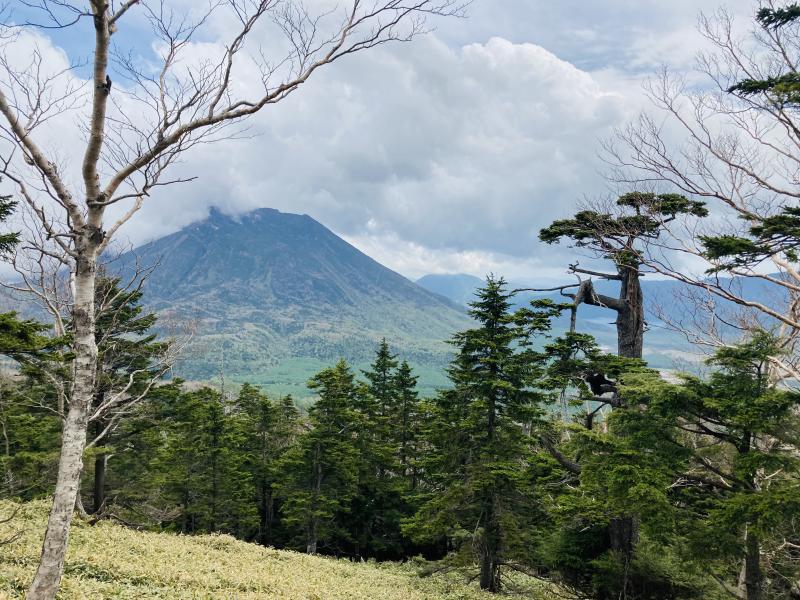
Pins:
x,y
277,296
664,348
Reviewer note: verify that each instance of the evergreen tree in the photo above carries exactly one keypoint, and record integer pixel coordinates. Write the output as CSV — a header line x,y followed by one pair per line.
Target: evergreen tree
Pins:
x,y
30,437
200,465
482,494
782,90
271,429
372,520
127,365
381,384
731,443
320,473
20,340
620,237
406,420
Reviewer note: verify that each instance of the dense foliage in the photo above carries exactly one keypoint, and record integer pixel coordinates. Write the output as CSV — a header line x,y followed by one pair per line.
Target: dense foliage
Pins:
x,y
521,465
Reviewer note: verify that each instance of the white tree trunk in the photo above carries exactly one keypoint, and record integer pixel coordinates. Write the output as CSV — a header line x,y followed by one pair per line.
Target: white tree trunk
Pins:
x,y
51,567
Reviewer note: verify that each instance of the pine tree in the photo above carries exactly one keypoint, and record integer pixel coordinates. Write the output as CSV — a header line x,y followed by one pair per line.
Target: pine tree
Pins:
x,y
481,491
320,473
620,237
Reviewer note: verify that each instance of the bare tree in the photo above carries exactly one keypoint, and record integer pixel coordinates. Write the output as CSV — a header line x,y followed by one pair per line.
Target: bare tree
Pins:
x,y
737,148
137,125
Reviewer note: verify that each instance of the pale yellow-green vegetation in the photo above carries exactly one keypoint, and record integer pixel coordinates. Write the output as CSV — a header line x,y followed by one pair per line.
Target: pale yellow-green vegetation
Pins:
x,y
106,560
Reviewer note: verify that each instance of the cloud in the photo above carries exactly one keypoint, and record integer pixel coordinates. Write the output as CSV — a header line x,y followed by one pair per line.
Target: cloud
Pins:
x,y
465,150
449,153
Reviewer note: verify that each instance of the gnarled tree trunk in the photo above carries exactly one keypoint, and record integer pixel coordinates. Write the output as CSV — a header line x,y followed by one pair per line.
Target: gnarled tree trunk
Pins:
x,y
630,314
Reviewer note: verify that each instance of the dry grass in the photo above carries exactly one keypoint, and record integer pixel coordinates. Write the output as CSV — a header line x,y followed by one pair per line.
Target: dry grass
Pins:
x,y
110,561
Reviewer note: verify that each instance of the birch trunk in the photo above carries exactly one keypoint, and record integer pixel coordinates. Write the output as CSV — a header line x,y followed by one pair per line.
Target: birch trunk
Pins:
x,y
51,566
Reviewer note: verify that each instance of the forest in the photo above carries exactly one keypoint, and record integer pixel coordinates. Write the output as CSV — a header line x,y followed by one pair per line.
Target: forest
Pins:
x,y
545,455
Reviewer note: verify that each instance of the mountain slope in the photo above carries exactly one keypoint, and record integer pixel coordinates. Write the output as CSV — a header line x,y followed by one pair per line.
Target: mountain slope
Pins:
x,y
110,561
276,296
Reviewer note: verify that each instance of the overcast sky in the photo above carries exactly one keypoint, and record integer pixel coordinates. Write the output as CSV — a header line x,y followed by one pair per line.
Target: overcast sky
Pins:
x,y
449,153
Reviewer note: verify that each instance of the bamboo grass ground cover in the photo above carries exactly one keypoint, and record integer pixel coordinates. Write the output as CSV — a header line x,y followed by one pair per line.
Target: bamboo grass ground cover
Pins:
x,y
107,560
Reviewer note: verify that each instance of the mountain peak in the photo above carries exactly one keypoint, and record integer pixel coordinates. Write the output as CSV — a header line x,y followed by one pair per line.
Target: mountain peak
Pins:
x,y
271,288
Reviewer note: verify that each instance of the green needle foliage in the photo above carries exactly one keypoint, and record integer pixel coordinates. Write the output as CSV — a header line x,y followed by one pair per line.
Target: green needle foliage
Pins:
x,y
321,471
482,494
779,90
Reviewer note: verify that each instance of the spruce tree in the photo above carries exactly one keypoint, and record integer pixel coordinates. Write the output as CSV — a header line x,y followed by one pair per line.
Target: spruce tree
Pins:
x,y
320,473
30,437
372,520
731,442
271,428
128,359
20,340
380,376
406,421
481,492
201,464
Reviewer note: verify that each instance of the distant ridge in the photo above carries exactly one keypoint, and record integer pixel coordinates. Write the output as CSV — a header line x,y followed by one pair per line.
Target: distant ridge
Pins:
x,y
460,288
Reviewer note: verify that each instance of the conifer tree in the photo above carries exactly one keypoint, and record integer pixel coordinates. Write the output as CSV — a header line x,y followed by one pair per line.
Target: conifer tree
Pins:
x,y
373,518
271,428
730,445
128,356
25,342
320,473
481,491
202,467
620,234
406,421
19,340
381,382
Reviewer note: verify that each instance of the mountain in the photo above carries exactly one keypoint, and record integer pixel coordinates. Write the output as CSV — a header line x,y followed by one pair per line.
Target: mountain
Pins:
x,y
275,297
459,288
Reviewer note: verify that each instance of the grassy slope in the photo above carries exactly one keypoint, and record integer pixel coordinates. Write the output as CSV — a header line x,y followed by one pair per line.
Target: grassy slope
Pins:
x,y
110,561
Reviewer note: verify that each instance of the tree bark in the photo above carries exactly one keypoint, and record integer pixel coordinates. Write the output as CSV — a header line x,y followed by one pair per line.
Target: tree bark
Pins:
x,y
490,549
313,520
99,487
99,490
751,578
630,314
51,567
311,532
624,530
